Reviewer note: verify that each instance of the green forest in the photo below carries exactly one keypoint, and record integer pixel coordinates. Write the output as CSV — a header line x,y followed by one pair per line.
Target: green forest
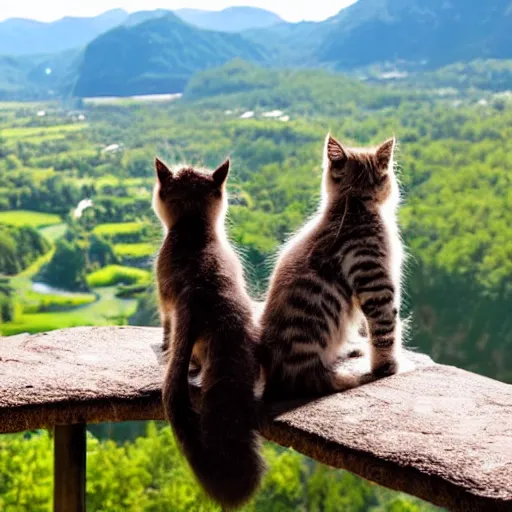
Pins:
x,y
77,240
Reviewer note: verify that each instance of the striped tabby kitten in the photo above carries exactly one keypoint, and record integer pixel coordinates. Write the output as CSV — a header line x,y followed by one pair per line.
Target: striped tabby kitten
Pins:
x,y
339,275
208,329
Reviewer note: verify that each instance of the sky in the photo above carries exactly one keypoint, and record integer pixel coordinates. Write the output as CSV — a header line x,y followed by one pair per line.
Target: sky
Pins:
x,y
50,10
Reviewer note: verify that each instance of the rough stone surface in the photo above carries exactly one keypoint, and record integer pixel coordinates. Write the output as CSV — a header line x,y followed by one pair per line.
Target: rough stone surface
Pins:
x,y
85,374
437,432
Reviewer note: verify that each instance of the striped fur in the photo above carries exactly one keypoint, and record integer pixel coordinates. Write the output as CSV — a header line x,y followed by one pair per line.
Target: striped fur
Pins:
x,y
338,279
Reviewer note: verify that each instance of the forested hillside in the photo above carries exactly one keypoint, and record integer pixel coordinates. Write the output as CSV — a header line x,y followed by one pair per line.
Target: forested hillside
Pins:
x,y
149,52
156,56
404,32
455,165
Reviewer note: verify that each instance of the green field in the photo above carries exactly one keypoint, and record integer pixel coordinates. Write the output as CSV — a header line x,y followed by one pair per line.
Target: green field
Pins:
x,y
35,302
119,228
140,250
39,311
106,310
54,232
44,132
116,274
9,106
28,218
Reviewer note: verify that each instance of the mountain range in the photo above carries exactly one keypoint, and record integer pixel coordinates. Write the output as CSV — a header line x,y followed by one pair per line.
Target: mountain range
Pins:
x,y
431,32
436,32
158,51
20,36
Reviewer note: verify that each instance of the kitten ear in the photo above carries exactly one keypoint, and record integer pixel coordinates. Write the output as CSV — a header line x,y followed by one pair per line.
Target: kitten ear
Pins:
x,y
163,173
335,157
384,153
335,152
221,173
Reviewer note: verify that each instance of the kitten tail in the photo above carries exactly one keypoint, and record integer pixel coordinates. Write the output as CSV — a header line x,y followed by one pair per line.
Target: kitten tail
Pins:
x,y
220,443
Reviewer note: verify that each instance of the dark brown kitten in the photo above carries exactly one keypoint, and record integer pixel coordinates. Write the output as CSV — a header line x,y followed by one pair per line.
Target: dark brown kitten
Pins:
x,y
205,309
339,275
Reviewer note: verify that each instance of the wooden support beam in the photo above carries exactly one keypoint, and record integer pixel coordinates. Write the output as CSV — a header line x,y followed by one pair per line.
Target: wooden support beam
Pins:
x,y
69,468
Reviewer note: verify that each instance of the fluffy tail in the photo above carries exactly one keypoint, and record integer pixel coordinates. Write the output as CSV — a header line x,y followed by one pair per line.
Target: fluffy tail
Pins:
x,y
220,442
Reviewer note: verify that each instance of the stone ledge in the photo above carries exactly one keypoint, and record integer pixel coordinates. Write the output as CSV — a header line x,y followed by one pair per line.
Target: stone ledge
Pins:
x,y
440,433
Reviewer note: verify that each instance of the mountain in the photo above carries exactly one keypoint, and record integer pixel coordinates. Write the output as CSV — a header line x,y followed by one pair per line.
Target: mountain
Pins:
x,y
33,77
232,19
433,33
156,56
141,16
20,36
436,32
157,52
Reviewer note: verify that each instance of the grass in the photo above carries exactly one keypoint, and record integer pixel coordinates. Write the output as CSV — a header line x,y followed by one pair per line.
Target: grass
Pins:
x,y
47,132
35,302
141,250
131,291
42,322
119,228
117,274
13,105
33,269
53,233
28,218
41,312
106,310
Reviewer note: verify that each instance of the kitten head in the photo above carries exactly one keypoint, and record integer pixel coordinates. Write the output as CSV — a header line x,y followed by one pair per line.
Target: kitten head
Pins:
x,y
364,173
185,191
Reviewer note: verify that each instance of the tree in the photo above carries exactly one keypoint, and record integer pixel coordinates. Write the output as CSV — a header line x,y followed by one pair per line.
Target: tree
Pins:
x,y
67,268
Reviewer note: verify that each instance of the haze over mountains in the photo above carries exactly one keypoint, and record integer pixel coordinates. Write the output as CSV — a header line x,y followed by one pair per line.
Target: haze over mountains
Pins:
x,y
19,36
232,19
158,51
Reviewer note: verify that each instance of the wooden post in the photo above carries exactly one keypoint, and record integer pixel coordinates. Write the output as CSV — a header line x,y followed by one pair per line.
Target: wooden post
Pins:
x,y
69,468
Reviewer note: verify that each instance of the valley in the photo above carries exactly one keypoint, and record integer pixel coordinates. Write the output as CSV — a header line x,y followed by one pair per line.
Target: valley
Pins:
x,y
455,178
159,51
82,120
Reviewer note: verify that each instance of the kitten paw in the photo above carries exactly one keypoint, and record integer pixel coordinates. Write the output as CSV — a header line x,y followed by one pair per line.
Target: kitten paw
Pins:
x,y
342,381
386,369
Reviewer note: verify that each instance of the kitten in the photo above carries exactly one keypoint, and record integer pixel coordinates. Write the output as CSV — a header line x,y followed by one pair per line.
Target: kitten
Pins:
x,y
339,275
207,316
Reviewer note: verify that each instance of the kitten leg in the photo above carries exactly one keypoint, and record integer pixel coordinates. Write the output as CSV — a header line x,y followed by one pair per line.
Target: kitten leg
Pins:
x,y
355,336
166,324
166,314
199,363
385,343
376,296
357,342
340,375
